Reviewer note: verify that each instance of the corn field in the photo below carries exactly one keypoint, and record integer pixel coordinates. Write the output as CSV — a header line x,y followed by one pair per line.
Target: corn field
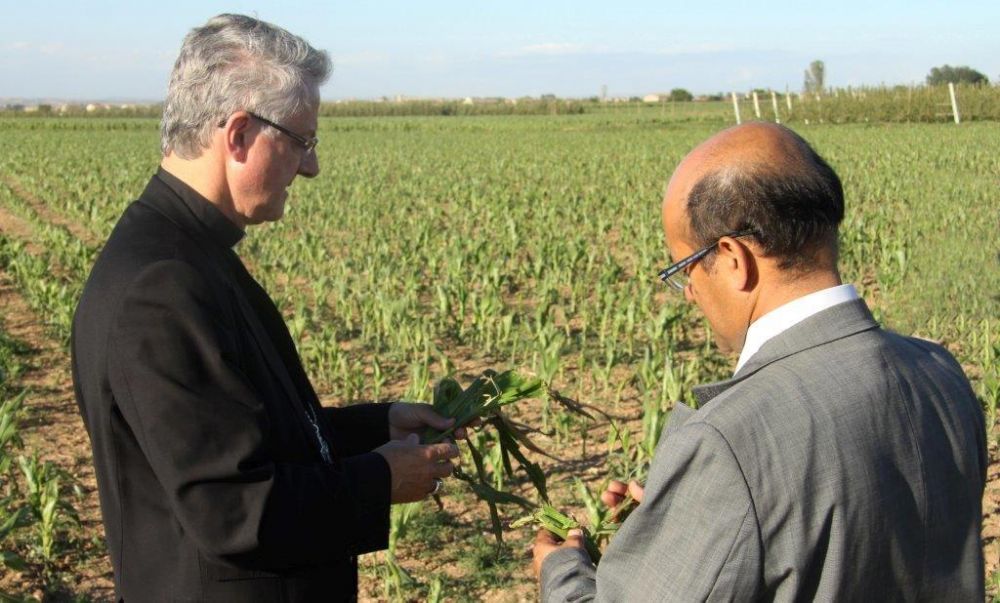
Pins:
x,y
431,247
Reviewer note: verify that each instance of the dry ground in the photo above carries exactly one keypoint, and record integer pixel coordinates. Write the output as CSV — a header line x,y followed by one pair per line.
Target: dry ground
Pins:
x,y
54,428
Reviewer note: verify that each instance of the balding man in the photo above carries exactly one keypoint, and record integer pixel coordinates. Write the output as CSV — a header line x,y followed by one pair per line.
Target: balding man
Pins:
x,y
840,462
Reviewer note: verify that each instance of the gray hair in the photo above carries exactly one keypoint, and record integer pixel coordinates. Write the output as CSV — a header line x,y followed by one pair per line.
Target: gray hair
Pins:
x,y
235,63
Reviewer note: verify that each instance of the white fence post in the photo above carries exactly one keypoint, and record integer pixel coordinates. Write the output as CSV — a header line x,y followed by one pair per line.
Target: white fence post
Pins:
x,y
736,109
954,102
774,105
756,105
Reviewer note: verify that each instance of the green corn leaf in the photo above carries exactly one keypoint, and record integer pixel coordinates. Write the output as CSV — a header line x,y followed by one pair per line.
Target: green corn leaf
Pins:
x,y
595,511
498,497
11,561
477,459
13,522
501,421
489,392
534,471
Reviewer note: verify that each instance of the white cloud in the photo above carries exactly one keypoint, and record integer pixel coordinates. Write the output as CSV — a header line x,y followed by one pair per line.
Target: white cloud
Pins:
x,y
554,48
40,48
548,49
51,48
102,59
693,49
360,58
744,75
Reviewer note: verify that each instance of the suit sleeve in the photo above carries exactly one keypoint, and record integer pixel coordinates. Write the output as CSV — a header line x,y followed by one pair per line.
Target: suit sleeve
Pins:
x,y
206,436
693,538
360,428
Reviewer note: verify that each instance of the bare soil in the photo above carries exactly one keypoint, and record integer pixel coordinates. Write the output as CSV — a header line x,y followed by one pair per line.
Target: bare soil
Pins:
x,y
991,514
53,428
47,214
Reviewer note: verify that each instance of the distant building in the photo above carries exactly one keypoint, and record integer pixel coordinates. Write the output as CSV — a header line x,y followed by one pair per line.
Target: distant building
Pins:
x,y
651,98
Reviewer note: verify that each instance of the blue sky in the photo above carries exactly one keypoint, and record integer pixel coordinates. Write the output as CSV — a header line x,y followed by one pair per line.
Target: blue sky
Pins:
x,y
124,50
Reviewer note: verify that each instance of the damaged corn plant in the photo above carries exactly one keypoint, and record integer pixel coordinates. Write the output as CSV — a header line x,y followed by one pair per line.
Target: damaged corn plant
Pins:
x,y
502,440
603,522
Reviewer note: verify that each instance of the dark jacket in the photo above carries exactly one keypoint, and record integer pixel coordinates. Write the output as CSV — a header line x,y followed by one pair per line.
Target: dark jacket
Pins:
x,y
220,476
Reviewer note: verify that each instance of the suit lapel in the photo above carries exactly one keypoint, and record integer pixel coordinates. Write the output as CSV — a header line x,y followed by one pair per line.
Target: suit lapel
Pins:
x,y
837,322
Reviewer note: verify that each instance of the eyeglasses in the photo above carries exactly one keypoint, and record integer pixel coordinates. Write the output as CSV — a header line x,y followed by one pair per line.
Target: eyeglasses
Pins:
x,y
306,143
676,274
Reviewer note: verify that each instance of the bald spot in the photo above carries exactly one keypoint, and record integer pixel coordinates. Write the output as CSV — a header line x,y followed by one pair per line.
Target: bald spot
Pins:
x,y
749,148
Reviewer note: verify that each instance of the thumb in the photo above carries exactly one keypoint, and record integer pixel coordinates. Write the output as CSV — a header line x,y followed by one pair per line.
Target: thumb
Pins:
x,y
428,416
636,491
574,538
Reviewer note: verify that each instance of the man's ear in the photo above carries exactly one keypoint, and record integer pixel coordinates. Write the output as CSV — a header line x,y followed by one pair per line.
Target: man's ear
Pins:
x,y
737,264
237,136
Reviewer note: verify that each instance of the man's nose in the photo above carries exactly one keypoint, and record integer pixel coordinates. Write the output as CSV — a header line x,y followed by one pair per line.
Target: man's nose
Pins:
x,y
309,165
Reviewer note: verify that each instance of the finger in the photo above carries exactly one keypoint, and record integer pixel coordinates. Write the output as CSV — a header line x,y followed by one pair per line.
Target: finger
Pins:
x,y
462,432
617,487
442,452
611,499
545,537
574,539
444,469
636,491
412,440
427,415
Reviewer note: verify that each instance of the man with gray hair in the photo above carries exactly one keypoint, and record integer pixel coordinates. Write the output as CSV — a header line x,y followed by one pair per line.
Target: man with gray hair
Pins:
x,y
221,477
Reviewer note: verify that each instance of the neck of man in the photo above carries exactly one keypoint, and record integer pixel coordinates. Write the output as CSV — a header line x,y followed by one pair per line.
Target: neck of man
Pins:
x,y
206,174
785,288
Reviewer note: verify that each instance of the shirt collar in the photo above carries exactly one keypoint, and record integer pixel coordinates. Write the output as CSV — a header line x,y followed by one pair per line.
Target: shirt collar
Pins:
x,y
783,317
220,228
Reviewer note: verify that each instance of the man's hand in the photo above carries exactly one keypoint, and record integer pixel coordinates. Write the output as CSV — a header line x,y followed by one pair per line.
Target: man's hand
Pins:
x,y
415,469
407,418
546,542
616,491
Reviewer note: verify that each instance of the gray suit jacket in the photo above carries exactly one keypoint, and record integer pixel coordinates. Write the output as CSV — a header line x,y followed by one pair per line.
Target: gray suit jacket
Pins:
x,y
843,462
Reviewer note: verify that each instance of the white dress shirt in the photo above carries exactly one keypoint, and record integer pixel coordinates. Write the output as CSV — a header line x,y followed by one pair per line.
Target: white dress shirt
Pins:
x,y
784,317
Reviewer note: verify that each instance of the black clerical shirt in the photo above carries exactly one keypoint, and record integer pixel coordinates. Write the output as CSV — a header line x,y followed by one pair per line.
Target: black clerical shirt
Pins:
x,y
221,231
220,476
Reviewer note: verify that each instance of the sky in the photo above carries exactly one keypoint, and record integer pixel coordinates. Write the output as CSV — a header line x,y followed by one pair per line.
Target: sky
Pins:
x,y
105,50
